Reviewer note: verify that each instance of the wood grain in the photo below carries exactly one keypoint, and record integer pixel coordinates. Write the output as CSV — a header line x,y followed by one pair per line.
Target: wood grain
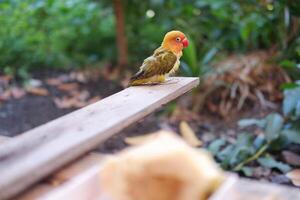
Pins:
x,y
245,189
37,153
81,182
58,180
3,139
85,186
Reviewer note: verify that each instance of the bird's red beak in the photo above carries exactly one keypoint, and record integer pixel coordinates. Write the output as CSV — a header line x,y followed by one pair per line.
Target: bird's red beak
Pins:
x,y
185,42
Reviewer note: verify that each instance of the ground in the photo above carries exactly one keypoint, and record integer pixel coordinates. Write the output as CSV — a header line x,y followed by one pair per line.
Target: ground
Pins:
x,y
32,109
51,95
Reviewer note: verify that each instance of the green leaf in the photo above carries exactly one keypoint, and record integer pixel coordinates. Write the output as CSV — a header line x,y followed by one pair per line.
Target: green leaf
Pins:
x,y
289,85
297,112
249,122
259,141
225,156
273,126
190,57
279,143
245,31
288,64
293,135
186,69
248,171
291,100
215,146
270,162
242,149
209,55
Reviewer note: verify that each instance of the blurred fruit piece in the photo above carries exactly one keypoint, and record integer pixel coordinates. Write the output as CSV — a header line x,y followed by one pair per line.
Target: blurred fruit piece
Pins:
x,y
163,168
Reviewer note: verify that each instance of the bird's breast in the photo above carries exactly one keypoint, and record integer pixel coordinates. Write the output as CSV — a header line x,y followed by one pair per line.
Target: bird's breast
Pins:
x,y
175,67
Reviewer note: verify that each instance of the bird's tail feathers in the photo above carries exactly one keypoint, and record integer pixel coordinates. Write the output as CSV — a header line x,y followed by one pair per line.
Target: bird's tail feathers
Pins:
x,y
139,75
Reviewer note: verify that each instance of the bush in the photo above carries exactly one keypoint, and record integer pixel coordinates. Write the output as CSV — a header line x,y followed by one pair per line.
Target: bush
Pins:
x,y
216,27
53,33
279,131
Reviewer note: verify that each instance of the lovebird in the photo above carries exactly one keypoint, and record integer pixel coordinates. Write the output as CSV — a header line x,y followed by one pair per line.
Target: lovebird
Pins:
x,y
164,61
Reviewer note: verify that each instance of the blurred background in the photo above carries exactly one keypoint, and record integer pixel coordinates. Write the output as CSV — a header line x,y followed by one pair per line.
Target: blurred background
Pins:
x,y
60,55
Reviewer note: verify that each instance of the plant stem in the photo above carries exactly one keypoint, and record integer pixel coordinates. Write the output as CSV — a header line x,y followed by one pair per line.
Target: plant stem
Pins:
x,y
252,158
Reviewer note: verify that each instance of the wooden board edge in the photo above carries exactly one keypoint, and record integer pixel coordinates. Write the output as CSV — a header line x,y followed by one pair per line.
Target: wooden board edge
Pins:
x,y
3,139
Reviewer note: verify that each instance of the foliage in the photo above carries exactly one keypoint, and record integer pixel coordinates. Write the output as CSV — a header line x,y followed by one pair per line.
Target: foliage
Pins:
x,y
293,69
214,27
279,131
53,33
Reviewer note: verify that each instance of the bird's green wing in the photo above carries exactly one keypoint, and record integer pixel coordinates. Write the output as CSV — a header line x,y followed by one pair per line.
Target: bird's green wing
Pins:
x,y
160,63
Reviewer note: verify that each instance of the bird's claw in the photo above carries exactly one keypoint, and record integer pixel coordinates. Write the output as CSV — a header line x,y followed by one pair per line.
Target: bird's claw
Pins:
x,y
171,81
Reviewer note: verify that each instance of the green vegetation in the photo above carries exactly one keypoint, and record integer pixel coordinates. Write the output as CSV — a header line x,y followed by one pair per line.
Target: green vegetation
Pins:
x,y
53,34
64,34
279,131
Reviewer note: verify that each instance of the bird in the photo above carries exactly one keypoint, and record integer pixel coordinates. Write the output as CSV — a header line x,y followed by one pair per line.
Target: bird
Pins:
x,y
164,61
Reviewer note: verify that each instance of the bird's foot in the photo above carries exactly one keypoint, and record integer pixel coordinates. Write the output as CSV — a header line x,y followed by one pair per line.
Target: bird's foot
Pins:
x,y
171,81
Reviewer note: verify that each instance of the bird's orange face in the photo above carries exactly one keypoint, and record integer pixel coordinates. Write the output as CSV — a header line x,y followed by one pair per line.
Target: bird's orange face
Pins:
x,y
175,41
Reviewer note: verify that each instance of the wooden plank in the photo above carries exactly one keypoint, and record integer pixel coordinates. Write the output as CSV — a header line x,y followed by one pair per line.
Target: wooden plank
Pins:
x,y
245,189
84,186
69,173
79,180
35,192
36,153
3,139
87,186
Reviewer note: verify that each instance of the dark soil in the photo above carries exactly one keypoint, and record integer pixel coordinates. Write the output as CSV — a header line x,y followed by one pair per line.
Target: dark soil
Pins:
x,y
20,115
147,125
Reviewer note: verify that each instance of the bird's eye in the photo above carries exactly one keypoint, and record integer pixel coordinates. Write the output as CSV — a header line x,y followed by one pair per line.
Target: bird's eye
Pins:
x,y
178,39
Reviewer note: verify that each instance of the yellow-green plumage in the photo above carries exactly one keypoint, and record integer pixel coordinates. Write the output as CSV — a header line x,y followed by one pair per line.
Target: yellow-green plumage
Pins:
x,y
155,68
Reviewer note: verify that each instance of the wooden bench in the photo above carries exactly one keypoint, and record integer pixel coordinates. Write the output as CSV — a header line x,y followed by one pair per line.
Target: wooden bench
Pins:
x,y
3,139
37,153
27,161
